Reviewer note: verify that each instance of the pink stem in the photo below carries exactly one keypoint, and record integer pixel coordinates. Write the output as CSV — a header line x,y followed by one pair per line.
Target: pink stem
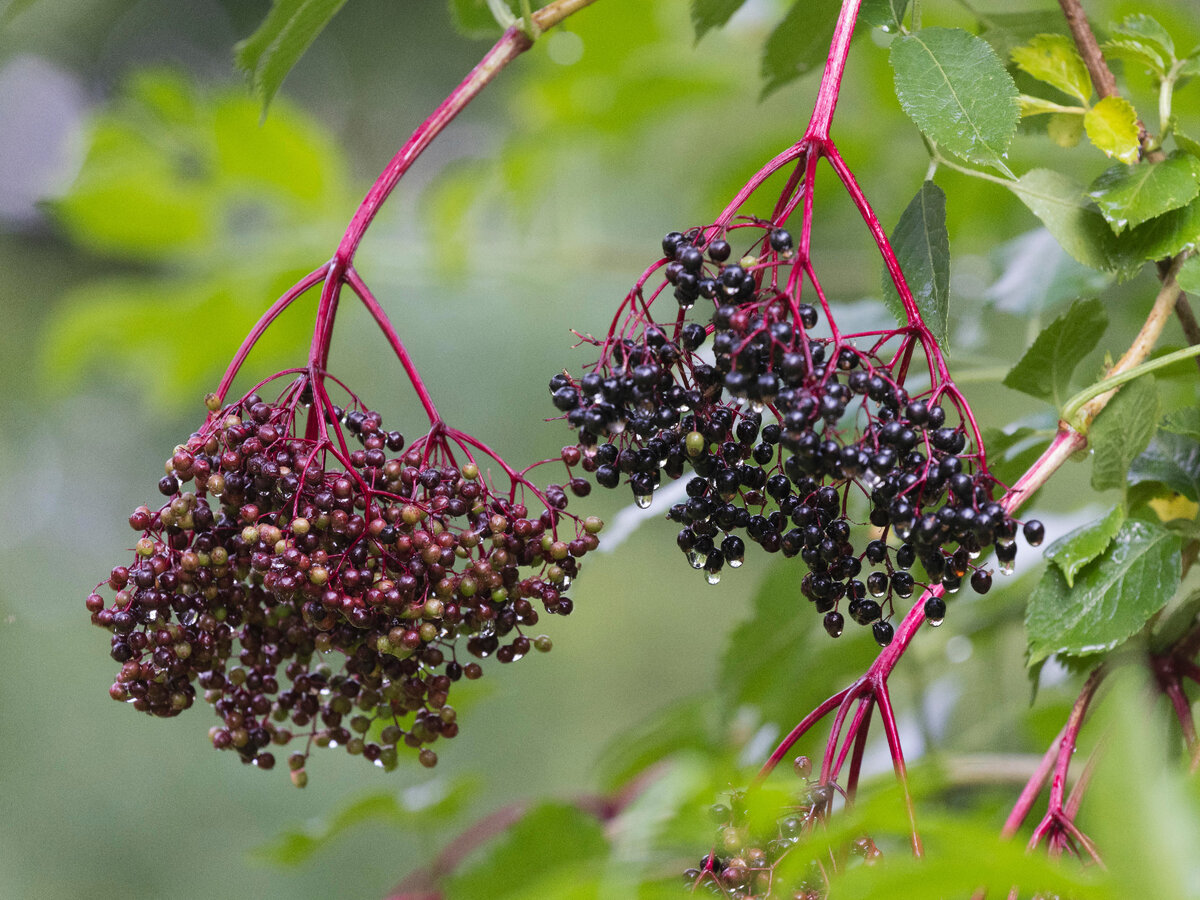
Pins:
x,y
1033,787
831,78
897,751
799,731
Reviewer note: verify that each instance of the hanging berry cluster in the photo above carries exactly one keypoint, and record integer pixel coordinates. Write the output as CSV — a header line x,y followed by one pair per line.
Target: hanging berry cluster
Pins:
x,y
275,551
785,430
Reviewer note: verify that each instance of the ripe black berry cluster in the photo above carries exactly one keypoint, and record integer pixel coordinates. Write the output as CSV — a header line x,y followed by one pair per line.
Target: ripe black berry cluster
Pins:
x,y
788,434
325,597
745,860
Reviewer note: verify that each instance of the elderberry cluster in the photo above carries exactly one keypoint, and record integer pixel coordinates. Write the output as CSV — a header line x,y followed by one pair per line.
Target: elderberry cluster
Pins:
x,y
745,861
328,599
787,436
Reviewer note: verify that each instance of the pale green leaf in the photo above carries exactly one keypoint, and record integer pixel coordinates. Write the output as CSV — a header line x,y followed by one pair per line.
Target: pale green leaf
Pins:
x,y
1044,371
1122,431
1077,548
1188,276
1131,195
1052,58
1036,106
1137,52
1006,30
1068,214
1148,31
799,43
1112,598
922,248
1065,129
885,14
709,14
284,35
958,93
1172,460
1112,127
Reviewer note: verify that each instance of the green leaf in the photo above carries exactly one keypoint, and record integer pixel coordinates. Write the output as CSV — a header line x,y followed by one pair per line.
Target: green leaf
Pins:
x,y
958,93
14,9
1172,460
424,805
682,725
284,35
1188,276
1065,129
1184,421
474,18
885,14
1122,431
1149,32
1037,275
922,248
1052,58
1077,548
1130,195
1137,52
1112,126
799,43
1074,221
1046,367
1112,598
1162,236
1005,31
709,14
545,854
780,659
1186,144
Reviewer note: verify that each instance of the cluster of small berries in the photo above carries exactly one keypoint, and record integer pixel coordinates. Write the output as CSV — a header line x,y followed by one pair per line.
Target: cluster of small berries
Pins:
x,y
274,551
745,865
785,434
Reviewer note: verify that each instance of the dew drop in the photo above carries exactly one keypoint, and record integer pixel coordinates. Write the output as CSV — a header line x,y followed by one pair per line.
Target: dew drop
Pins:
x,y
643,500
735,563
1007,567
974,554
935,623
954,590
712,577
696,558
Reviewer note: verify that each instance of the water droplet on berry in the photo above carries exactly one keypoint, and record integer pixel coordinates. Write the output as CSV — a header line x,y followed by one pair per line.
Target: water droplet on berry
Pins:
x,y
696,558
935,623
712,577
1008,566
735,563
974,554
643,500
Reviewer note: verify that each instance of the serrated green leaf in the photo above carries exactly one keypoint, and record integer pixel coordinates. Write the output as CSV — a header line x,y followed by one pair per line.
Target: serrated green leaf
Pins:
x,y
780,660
1172,460
474,18
1186,144
799,43
885,14
956,90
1148,31
1052,58
1184,421
709,14
922,247
284,35
547,854
1188,276
426,805
1122,431
1137,52
1065,129
1077,548
1162,236
1130,195
1074,220
1044,371
1112,126
1113,597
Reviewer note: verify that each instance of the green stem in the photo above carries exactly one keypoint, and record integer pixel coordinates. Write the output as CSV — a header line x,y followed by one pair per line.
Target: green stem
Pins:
x,y
1071,410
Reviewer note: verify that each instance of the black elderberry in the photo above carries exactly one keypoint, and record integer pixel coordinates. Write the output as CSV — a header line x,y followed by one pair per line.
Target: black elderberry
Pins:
x,y
1034,531
883,632
780,240
719,250
981,581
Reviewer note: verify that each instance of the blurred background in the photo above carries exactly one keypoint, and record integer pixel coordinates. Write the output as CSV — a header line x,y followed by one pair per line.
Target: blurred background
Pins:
x,y
147,217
